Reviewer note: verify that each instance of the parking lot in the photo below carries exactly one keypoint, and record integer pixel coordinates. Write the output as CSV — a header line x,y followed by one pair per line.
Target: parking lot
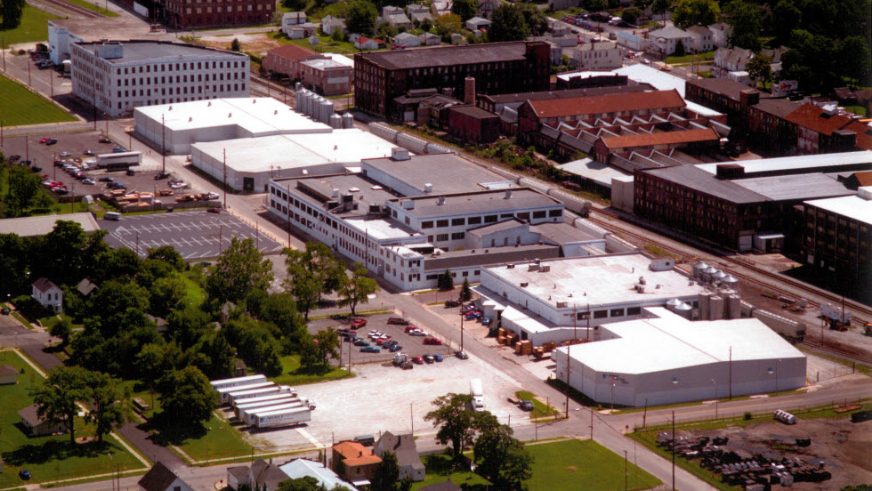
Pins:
x,y
196,235
411,345
384,398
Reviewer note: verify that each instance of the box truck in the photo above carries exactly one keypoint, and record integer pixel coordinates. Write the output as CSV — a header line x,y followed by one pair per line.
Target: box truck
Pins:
x,y
248,417
285,417
248,394
246,406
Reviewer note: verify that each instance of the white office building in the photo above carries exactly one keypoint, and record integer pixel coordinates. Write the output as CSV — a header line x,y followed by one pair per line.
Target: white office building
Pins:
x,y
598,55
120,76
664,358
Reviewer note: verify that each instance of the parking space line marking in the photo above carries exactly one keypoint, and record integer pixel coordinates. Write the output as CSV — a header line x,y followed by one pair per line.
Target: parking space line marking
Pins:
x,y
308,436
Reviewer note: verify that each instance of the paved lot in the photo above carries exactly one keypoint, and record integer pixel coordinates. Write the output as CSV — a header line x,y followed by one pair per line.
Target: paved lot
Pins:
x,y
196,235
384,398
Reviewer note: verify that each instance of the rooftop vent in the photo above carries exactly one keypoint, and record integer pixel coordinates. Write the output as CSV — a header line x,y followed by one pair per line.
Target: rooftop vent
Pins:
x,y
440,201
399,153
428,187
510,266
524,284
508,194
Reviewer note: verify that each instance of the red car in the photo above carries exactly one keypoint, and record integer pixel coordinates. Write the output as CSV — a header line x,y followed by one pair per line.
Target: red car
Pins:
x,y
432,340
410,328
418,360
358,322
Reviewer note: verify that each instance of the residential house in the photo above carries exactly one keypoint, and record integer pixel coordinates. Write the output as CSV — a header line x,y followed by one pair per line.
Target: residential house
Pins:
x,y
731,60
161,478
266,475
720,34
331,24
364,43
598,56
354,462
406,40
285,60
239,476
86,287
48,294
666,40
457,39
403,446
328,479
35,425
419,13
292,19
440,7
301,31
8,375
476,24
702,39
430,39
396,17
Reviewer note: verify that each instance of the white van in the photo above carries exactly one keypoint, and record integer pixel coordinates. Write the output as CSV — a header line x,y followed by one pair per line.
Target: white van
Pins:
x,y
112,215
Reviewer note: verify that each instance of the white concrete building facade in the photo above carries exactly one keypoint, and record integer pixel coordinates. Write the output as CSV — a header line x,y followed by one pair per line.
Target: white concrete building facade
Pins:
x,y
598,56
118,77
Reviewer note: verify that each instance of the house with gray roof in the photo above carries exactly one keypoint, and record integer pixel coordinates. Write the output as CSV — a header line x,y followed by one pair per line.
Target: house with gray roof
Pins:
x,y
161,478
403,446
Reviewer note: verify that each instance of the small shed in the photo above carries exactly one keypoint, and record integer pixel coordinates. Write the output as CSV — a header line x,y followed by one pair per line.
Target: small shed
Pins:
x,y
36,425
8,375
86,287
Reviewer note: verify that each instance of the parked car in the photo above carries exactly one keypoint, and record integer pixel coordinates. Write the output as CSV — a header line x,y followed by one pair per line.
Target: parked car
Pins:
x,y
89,153
451,304
407,365
437,358
418,333
394,348
472,315
213,210
24,474
485,321
106,179
428,359
88,181
361,342
51,141
118,149
370,349
432,340
410,328
418,360
161,175
358,322
104,139
211,196
36,168
397,321
525,405
462,355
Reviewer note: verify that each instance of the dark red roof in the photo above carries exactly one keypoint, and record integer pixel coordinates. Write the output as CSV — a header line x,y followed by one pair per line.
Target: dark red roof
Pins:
x,y
293,52
662,138
816,119
607,103
44,284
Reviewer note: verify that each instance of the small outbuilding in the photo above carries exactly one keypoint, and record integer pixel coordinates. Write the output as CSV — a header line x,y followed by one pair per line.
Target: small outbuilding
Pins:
x,y
8,375
403,446
48,294
35,425
161,478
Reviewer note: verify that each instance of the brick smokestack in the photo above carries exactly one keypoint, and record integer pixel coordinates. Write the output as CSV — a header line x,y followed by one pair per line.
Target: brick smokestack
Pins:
x,y
469,90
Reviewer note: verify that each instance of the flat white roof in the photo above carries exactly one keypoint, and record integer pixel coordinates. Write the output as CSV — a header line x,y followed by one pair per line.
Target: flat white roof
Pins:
x,y
341,59
524,321
668,341
267,153
597,172
380,229
255,116
44,224
795,163
853,207
598,280
662,81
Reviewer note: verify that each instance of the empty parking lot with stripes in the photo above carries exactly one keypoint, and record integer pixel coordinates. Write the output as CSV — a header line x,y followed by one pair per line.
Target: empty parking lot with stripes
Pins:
x,y
196,235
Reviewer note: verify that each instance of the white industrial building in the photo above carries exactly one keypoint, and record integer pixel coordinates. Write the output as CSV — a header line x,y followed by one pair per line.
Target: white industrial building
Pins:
x,y
550,300
409,219
176,126
117,77
664,358
252,162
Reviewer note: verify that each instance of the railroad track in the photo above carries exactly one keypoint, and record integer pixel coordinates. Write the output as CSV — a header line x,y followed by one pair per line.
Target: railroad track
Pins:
x,y
857,307
81,11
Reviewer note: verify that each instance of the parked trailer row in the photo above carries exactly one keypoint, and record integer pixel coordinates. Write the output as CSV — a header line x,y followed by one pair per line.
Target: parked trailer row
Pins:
x,y
265,398
249,417
237,381
285,417
248,394
227,392
242,409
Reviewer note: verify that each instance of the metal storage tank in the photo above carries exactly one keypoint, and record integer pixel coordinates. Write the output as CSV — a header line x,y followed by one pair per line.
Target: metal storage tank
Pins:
x,y
307,102
325,111
719,276
730,281
684,309
716,308
698,268
672,303
347,121
336,121
734,306
298,87
298,100
704,308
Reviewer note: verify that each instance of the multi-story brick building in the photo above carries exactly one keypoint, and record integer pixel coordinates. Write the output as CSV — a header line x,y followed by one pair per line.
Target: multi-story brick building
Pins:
x,y
116,77
821,131
498,68
285,60
768,126
723,95
188,14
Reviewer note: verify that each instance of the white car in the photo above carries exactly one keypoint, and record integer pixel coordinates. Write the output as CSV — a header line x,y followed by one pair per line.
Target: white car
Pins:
x,y
178,185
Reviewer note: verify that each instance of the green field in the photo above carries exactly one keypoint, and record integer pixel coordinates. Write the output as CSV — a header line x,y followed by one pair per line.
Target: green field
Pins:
x,y
19,106
48,458
220,441
692,58
540,410
439,469
94,7
33,27
326,44
575,464
292,375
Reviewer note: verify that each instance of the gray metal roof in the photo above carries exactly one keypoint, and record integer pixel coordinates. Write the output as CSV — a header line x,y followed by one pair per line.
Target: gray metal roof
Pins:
x,y
695,178
490,256
448,55
155,51
43,224
795,187
364,191
447,173
481,202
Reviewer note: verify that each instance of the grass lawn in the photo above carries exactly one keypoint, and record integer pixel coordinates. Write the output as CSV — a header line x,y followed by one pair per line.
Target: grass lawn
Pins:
x,y
540,410
576,464
439,469
220,441
327,44
856,109
94,7
48,458
694,58
195,295
33,27
292,375
19,106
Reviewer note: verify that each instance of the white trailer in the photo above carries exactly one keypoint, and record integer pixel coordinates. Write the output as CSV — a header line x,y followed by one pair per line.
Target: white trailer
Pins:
x,y
118,161
241,409
287,417
248,416
276,389
263,399
477,393
234,382
227,391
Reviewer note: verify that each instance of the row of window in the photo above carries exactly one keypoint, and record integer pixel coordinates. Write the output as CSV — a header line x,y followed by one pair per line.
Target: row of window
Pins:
x,y
179,90
478,220
169,67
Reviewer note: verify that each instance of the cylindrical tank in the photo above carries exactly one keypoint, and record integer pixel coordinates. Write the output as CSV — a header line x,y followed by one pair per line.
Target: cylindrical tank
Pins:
x,y
734,306
698,268
336,121
307,101
325,111
730,280
298,87
298,100
347,121
716,308
672,303
684,309
704,308
719,276
708,273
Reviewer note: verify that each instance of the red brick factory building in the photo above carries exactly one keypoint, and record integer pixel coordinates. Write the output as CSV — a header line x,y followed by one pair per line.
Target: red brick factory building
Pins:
x,y
190,14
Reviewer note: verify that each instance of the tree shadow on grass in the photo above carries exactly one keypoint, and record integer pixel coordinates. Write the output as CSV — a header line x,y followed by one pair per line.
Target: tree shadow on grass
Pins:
x,y
55,450
167,431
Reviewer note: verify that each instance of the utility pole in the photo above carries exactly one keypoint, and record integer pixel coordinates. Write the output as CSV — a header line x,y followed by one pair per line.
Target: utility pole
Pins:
x,y
730,368
225,178
461,326
163,148
673,450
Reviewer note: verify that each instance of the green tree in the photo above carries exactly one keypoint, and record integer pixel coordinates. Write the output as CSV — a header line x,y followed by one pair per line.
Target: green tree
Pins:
x,y
240,269
116,264
631,15
115,306
280,310
746,22
595,5
167,294
853,59
508,24
11,12
14,260
759,69
465,9
169,255
24,186
455,420
186,397
311,273
234,45
109,403
789,18
686,13
56,400
186,326
536,20
215,356
465,291
445,281
152,363
357,288
387,475
62,329
501,459
306,483
360,17
448,24
318,351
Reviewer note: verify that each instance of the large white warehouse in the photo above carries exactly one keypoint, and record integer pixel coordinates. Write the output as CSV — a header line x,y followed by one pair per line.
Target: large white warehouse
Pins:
x,y
176,126
252,162
664,358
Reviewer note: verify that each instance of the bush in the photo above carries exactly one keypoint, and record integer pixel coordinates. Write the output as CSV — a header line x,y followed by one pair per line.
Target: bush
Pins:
x,y
29,307
747,416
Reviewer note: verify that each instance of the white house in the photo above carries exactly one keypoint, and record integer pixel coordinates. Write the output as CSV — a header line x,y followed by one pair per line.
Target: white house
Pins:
x,y
300,31
331,24
419,13
598,56
292,19
731,60
477,23
666,39
720,34
160,478
440,7
702,39
430,39
406,40
396,17
48,294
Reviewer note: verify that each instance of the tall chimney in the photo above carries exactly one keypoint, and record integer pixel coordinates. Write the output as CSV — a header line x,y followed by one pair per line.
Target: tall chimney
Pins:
x,y
469,90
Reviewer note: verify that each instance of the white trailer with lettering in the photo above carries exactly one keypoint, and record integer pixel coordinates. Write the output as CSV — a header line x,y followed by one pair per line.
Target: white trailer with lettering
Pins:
x,y
284,417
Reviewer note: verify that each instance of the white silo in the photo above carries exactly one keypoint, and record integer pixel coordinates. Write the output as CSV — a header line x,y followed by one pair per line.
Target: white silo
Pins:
x,y
336,121
734,306
347,121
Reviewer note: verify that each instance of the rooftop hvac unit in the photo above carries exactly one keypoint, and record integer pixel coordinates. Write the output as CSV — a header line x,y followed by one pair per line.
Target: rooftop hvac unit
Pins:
x,y
399,153
428,187
524,284
408,204
544,269
865,193
533,267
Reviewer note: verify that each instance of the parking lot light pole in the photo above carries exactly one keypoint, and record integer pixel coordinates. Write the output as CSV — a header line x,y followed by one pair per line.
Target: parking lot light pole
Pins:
x,y
461,326
163,147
